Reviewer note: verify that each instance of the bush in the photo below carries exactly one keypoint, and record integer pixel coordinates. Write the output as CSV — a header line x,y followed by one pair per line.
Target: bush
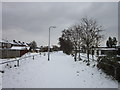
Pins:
x,y
110,66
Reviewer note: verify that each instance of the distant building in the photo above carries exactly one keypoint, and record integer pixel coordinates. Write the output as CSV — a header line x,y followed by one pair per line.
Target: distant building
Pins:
x,y
12,49
100,51
37,50
5,44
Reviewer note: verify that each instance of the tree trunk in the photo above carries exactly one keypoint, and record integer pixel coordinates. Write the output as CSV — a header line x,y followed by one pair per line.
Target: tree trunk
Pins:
x,y
75,57
93,55
79,54
88,52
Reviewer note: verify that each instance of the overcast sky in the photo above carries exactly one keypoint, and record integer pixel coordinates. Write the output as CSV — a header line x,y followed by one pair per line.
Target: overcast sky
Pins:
x,y
30,21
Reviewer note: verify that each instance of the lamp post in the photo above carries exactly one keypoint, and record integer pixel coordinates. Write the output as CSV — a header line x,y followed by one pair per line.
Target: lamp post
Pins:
x,y
49,42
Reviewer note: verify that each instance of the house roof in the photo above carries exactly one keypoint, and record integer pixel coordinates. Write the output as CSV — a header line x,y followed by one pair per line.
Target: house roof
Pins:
x,y
37,49
13,43
19,48
4,41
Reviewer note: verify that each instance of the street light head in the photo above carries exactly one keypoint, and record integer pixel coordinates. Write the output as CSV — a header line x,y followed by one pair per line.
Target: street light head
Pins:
x,y
53,26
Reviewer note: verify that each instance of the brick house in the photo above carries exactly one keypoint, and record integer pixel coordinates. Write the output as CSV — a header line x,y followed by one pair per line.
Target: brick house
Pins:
x,y
12,49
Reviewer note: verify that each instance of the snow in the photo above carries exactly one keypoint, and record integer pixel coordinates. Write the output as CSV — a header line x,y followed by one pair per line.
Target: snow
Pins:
x,y
18,48
4,41
118,55
60,72
103,48
14,43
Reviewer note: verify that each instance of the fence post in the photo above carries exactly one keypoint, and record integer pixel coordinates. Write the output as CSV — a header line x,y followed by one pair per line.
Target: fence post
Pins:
x,y
116,72
33,57
40,54
18,63
118,86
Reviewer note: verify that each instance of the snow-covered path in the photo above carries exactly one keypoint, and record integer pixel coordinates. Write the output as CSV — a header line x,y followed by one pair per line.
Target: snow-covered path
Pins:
x,y
60,72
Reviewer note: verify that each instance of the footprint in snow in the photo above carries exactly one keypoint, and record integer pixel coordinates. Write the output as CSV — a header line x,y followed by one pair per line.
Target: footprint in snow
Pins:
x,y
77,73
18,72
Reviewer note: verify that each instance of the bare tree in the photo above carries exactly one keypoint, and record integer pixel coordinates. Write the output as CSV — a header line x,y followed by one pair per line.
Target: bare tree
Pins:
x,y
70,34
73,39
90,34
77,34
74,35
86,34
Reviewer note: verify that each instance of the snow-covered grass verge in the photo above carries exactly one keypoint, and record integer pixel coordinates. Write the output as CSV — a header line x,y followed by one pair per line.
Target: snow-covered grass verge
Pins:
x,y
60,72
